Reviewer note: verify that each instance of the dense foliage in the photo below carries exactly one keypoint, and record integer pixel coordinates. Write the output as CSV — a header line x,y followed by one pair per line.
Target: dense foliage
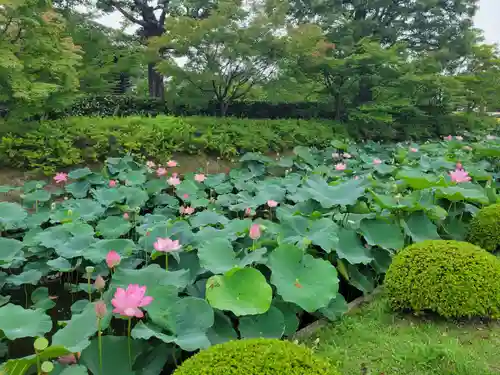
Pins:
x,y
485,228
38,63
256,357
78,140
452,278
244,254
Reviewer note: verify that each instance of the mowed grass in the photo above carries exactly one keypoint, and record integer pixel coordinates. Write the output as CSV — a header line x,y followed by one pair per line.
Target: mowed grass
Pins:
x,y
376,341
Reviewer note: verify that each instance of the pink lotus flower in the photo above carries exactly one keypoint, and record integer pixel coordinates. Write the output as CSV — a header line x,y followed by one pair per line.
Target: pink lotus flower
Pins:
x,y
459,166
100,309
173,181
99,283
448,138
199,177
490,137
127,302
377,161
112,183
413,149
150,164
272,203
166,245
126,216
175,174
335,155
60,177
459,175
356,177
249,212
113,259
255,232
161,172
340,167
186,210
171,163
347,155
459,138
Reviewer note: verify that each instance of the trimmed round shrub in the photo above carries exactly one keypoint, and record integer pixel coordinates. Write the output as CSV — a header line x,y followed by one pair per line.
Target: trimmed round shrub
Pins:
x,y
454,279
485,228
256,357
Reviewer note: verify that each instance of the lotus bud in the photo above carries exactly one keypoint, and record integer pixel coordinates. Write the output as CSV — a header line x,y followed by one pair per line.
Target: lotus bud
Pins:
x,y
100,309
99,283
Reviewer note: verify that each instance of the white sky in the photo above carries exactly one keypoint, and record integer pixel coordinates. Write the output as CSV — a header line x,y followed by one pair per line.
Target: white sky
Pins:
x,y
487,19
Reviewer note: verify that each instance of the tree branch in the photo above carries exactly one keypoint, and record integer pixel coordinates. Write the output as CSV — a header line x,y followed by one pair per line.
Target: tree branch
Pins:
x,y
127,15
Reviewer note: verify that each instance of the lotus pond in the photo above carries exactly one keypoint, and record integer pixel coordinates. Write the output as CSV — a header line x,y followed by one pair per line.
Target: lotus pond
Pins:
x,y
130,269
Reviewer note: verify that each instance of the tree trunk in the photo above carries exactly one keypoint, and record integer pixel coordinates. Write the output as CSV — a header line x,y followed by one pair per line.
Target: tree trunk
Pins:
x,y
223,108
155,83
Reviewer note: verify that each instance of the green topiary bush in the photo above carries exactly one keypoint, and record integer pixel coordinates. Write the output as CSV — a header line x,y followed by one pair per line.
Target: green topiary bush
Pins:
x,y
485,228
454,279
256,357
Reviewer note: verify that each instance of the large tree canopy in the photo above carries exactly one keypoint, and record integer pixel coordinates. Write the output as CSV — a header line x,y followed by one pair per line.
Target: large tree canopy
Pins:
x,y
38,62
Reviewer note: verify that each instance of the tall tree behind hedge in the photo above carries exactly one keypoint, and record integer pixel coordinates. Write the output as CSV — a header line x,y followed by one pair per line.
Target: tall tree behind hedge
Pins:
x,y
38,63
111,59
229,53
150,16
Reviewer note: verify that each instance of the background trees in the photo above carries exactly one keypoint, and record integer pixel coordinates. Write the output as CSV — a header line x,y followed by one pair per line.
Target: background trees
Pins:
x,y
377,62
38,62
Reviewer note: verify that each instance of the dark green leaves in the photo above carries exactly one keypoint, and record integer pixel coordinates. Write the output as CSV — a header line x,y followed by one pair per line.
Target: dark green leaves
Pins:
x,y
301,279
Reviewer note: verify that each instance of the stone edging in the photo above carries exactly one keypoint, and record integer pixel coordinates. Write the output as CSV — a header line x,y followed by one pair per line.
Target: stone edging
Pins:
x,y
320,323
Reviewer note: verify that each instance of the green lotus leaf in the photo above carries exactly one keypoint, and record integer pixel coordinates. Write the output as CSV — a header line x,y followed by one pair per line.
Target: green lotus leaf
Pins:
x,y
222,330
107,197
11,213
150,276
343,194
243,291
41,300
28,277
113,227
37,196
420,228
207,218
78,189
9,248
75,336
79,173
335,309
97,252
378,232
351,249
115,354
301,279
132,178
271,324
17,322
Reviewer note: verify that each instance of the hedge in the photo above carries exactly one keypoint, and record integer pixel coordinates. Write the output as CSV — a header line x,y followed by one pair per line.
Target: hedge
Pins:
x,y
257,357
48,145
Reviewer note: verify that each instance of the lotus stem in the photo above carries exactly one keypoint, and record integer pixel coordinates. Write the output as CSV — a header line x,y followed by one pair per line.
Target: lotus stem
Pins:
x,y
90,288
166,262
129,343
99,344
38,365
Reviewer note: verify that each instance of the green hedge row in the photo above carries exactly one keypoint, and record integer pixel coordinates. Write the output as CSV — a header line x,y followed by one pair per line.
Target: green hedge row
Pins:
x,y
49,145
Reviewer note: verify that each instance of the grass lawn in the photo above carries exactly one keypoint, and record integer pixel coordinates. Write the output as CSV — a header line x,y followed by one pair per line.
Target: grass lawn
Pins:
x,y
376,341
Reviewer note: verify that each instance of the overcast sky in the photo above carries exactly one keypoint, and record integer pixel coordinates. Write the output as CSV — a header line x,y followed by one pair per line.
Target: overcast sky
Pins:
x,y
488,19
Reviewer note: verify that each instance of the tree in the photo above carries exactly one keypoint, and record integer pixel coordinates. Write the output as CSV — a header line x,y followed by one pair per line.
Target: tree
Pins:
x,y
110,58
480,76
38,63
150,16
423,25
226,54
